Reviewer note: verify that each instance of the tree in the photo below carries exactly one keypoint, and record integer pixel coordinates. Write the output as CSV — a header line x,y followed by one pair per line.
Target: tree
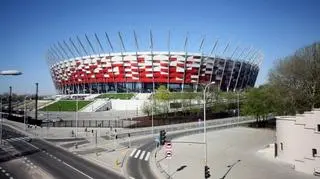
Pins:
x,y
297,78
162,99
147,108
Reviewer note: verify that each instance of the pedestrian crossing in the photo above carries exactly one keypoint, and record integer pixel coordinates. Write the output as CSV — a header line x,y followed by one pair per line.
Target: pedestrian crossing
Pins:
x,y
18,139
140,154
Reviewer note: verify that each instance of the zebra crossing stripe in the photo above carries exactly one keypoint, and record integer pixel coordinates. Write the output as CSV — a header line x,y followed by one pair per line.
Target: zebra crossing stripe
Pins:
x,y
137,154
142,155
134,150
147,156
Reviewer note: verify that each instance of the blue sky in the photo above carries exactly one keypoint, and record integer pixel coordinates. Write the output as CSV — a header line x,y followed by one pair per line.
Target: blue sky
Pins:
x,y
29,28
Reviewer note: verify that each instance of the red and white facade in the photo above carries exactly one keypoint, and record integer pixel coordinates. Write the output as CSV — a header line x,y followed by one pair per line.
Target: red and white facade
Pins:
x,y
143,71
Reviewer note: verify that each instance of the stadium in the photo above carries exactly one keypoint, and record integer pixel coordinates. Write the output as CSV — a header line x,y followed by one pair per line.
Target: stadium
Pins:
x,y
76,69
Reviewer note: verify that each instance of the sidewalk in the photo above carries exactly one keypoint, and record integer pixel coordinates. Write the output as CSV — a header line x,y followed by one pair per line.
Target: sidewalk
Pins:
x,y
232,153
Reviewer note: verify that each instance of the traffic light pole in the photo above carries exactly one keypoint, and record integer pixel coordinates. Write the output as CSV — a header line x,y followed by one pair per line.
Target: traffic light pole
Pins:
x,y
204,124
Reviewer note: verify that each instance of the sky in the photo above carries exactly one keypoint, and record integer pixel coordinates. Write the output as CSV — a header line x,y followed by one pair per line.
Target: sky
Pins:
x,y
28,28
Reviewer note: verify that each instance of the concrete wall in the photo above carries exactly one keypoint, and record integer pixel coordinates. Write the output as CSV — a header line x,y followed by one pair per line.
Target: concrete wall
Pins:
x,y
118,104
299,135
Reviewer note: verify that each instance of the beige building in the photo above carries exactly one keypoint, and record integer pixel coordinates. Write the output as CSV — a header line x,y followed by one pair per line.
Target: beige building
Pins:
x,y
298,141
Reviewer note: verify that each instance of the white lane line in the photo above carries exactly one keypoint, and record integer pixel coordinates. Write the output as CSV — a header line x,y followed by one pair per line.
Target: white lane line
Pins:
x,y
30,144
142,155
77,170
7,174
131,178
147,156
11,178
134,150
137,154
3,170
0,168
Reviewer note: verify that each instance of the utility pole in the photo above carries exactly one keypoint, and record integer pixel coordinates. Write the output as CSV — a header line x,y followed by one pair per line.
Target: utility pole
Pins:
x,y
204,123
1,121
10,102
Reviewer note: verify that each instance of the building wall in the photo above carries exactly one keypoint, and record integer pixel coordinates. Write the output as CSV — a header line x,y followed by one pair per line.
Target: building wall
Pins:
x,y
118,104
138,71
299,135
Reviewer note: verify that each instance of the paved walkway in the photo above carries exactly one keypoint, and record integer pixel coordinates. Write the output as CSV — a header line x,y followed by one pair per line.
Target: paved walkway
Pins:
x,y
239,148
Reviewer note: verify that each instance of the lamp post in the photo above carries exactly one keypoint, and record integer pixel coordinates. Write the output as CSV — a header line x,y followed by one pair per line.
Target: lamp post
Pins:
x,y
24,113
1,120
5,73
204,122
238,105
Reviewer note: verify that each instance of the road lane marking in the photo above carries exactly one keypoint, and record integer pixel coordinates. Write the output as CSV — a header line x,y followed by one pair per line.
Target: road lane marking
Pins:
x,y
142,155
77,170
137,154
7,174
134,150
3,170
147,156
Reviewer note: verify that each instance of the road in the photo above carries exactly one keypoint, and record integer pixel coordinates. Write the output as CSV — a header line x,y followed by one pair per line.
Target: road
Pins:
x,y
58,162
138,165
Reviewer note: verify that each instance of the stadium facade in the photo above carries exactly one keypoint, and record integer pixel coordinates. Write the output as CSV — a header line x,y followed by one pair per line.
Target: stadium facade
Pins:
x,y
145,71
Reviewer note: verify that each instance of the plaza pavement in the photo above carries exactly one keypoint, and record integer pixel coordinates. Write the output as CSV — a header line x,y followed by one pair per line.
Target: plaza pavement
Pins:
x,y
246,148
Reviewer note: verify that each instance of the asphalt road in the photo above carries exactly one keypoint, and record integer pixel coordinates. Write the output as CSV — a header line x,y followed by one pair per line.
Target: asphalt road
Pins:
x,y
67,165
58,162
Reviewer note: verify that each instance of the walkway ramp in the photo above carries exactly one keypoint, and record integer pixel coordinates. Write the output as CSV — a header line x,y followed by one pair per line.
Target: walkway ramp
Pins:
x,y
97,105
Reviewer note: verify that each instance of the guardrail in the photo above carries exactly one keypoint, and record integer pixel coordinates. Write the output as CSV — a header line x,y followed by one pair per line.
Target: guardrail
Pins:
x,y
183,126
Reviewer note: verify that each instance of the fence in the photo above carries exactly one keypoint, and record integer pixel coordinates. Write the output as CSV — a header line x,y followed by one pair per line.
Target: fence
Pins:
x,y
86,123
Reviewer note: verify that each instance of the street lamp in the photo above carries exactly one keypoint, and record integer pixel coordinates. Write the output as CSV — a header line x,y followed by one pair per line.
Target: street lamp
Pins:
x,y
238,105
10,72
24,113
204,121
6,73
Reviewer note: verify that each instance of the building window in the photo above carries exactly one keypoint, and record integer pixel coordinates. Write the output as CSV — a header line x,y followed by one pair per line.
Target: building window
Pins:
x,y
318,127
314,152
281,146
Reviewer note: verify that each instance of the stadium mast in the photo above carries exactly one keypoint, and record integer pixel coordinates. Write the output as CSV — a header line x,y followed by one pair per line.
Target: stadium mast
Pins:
x,y
224,66
169,57
137,49
185,61
233,64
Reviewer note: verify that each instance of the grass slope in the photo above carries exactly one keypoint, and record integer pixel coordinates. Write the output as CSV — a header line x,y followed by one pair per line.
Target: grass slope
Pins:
x,y
117,95
65,105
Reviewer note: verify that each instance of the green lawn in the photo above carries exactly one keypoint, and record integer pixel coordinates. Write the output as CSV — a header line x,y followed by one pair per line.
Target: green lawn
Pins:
x,y
65,105
117,95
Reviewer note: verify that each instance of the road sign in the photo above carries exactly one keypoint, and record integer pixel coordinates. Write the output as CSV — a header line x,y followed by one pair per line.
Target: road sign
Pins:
x,y
168,154
168,146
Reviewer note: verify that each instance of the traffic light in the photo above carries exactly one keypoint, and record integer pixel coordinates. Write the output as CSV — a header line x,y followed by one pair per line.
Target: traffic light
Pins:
x,y
206,172
162,137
